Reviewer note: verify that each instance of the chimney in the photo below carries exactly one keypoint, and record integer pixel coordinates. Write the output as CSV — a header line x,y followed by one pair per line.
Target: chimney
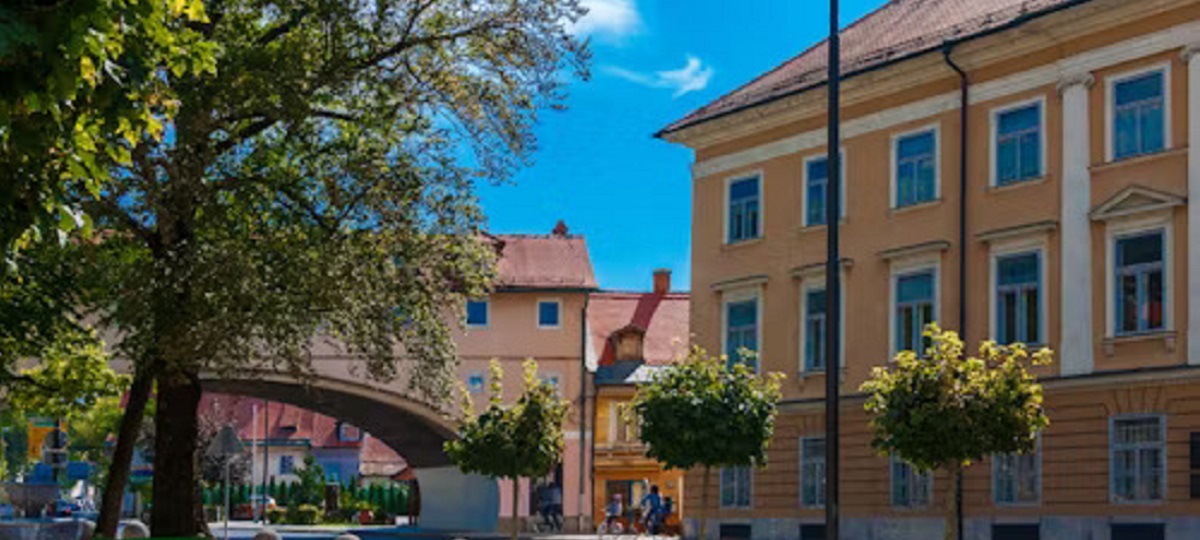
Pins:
x,y
662,281
560,229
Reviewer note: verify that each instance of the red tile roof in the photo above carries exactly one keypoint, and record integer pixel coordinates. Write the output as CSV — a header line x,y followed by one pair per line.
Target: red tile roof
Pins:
x,y
664,318
550,261
897,30
284,422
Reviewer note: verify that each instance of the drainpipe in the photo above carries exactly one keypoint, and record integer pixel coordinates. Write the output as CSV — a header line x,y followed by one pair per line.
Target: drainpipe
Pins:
x,y
963,137
586,444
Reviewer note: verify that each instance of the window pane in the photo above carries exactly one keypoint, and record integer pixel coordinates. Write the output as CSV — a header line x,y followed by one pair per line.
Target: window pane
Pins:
x,y
1141,249
548,313
1022,119
1032,328
1127,304
816,204
1151,128
914,287
1154,286
1007,167
919,144
1141,88
743,189
1008,318
743,313
1018,269
1125,136
477,312
1031,156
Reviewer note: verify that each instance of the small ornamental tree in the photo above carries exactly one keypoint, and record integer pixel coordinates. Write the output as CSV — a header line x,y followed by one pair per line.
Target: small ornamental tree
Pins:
x,y
704,412
945,410
524,439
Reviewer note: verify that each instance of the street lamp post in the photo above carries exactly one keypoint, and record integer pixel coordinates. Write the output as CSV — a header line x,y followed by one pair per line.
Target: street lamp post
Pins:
x,y
833,283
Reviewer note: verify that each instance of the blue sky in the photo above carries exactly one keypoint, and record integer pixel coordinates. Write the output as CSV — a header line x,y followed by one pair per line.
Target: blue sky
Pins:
x,y
598,166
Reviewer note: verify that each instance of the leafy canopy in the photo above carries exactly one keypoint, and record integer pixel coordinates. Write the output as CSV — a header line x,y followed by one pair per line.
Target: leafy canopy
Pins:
x,y
71,379
948,410
522,440
708,412
79,83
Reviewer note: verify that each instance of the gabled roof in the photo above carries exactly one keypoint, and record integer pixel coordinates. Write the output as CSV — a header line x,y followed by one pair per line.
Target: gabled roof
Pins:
x,y
663,318
552,261
284,423
899,29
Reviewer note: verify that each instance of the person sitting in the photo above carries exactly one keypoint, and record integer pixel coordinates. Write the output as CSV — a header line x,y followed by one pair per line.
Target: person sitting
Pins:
x,y
612,513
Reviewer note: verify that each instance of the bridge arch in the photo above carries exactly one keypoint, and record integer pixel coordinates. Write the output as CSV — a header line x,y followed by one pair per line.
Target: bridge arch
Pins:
x,y
416,430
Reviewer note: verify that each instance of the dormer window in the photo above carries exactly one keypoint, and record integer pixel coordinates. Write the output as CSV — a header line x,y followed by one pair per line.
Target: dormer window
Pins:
x,y
628,344
348,433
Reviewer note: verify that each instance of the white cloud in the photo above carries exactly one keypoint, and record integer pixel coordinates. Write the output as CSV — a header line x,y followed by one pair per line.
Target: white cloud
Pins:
x,y
692,77
609,18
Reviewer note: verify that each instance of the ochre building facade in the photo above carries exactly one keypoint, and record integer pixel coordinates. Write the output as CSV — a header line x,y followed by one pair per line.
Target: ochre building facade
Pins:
x,y
1078,156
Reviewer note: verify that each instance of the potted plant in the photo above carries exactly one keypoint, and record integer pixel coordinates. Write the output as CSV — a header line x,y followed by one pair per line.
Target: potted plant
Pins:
x,y
365,514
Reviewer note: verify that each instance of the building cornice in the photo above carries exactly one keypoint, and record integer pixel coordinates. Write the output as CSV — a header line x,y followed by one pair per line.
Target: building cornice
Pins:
x,y
922,69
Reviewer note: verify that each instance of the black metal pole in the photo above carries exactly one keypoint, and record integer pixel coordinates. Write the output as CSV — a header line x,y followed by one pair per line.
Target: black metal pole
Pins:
x,y
833,281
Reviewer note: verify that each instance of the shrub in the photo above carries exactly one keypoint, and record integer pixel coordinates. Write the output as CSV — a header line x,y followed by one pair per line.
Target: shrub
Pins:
x,y
304,514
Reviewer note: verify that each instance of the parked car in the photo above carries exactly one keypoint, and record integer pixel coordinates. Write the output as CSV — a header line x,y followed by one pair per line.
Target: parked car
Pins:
x,y
264,503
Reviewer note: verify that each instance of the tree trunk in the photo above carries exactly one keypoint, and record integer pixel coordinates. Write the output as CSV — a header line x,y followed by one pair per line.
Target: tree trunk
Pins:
x,y
704,502
516,524
122,459
952,508
176,429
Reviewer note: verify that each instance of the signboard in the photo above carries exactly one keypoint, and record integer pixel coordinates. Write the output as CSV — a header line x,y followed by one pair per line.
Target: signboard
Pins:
x,y
79,470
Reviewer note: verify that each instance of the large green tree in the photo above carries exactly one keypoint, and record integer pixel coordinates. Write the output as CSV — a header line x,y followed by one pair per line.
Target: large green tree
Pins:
x,y
319,184
523,440
709,413
945,410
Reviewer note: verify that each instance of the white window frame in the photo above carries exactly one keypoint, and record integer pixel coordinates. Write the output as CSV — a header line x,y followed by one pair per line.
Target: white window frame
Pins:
x,y
537,313
936,127
487,310
994,115
1112,452
749,488
804,187
1021,246
1162,220
743,295
902,268
726,185
892,459
1037,449
816,281
1110,98
825,462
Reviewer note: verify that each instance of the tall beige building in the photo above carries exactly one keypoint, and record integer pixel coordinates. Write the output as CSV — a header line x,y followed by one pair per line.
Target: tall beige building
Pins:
x,y
1048,203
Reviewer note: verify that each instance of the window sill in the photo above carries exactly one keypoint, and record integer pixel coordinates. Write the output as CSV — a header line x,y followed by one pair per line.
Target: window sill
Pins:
x,y
814,228
730,246
1139,159
1168,338
1018,184
898,210
815,374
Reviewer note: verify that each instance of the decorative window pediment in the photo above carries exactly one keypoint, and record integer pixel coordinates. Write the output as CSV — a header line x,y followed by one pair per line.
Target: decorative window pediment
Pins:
x,y
1135,200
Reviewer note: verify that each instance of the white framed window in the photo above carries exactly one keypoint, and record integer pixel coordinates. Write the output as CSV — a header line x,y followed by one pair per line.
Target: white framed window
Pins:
x,y
1139,272
743,208
741,314
814,323
1138,466
1019,296
1018,142
816,189
915,298
476,383
551,379
1138,112
910,488
287,464
549,314
478,313
812,472
622,428
736,489
1017,478
916,175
